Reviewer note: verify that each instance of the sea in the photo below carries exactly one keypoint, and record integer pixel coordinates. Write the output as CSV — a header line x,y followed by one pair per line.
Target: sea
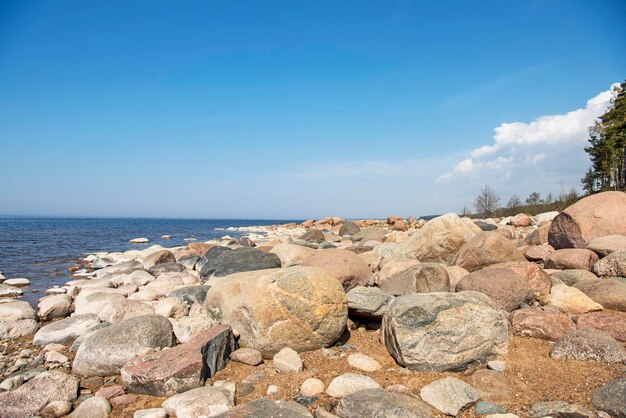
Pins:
x,y
41,249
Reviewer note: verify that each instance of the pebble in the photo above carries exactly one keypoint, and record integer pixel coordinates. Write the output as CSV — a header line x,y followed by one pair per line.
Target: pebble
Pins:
x,y
248,356
363,362
449,395
287,360
311,387
497,365
271,390
349,383
150,413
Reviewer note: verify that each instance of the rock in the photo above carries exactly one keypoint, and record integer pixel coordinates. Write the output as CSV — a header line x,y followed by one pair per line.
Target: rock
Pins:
x,y
312,234
538,280
545,217
368,302
455,274
363,362
171,307
15,329
121,402
547,323
158,257
505,287
65,330
613,265
287,360
537,252
372,259
492,386
609,244
186,327
487,408
94,407
521,220
381,403
122,309
14,311
150,413
615,326
267,408
54,306
164,268
248,356
538,237
611,398
106,351
191,294
559,409
7,291
110,391
594,216
239,260
439,239
19,282
588,344
311,387
370,233
348,268
349,228
393,267
301,307
349,383
56,409
609,293
571,277
31,397
444,331
53,356
189,261
210,255
184,367
449,395
93,303
292,255
204,401
484,249
422,278
571,300
571,258
497,365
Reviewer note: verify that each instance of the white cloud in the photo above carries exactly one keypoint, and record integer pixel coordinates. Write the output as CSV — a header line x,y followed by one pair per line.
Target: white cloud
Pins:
x,y
520,144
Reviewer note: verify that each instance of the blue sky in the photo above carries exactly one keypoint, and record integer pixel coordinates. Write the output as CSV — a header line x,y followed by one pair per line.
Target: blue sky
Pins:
x,y
296,109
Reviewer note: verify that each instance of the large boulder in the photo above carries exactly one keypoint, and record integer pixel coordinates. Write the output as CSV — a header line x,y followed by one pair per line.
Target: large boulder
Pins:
x,y
485,249
31,397
370,233
158,257
612,324
381,403
534,275
210,254
65,330
348,228
604,246
613,265
611,398
609,293
347,267
547,323
17,319
54,306
422,278
291,254
239,260
167,372
571,277
440,238
571,300
107,350
121,309
571,258
594,216
444,331
505,287
93,303
588,344
303,308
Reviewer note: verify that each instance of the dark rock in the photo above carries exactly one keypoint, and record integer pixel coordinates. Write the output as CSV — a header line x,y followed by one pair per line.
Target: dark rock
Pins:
x,y
239,260
381,403
611,398
191,294
559,409
159,269
312,234
349,228
485,226
370,233
189,261
267,408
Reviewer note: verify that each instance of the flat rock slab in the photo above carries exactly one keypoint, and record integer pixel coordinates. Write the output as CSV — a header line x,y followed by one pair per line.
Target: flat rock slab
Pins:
x,y
449,395
181,368
207,401
267,408
381,403
65,330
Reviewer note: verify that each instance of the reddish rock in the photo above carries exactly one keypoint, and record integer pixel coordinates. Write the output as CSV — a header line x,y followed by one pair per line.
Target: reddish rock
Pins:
x,y
594,216
615,326
159,257
538,236
110,391
176,370
571,258
521,220
609,293
400,225
347,267
537,252
504,286
485,249
534,275
122,401
492,386
547,323
604,246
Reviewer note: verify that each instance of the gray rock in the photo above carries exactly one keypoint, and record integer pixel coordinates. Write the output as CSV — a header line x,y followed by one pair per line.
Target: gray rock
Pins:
x,y
15,329
239,260
106,351
571,277
349,383
14,311
7,291
28,399
609,244
588,344
449,395
381,403
367,302
312,234
88,333
611,398
267,408
613,265
210,255
189,261
373,233
159,269
94,407
444,331
54,306
187,327
65,330
207,401
363,362
191,294
349,228
488,408
422,278
559,409
287,360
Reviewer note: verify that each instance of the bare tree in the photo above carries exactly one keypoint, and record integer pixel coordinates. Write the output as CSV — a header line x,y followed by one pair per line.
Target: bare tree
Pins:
x,y
534,198
466,211
514,202
487,201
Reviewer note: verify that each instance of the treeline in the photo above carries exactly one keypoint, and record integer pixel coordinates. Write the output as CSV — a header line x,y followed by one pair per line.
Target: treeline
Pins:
x,y
487,203
607,146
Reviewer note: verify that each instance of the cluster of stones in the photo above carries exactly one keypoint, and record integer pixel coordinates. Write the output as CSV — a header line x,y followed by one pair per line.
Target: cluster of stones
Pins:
x,y
445,295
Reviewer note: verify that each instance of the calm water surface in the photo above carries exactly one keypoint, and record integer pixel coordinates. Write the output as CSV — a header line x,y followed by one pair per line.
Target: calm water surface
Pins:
x,y
41,249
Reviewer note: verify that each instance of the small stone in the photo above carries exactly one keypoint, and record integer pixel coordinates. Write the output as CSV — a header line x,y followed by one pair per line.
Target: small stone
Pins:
x,y
349,383
559,409
363,362
204,401
55,357
271,390
497,365
94,407
449,395
248,356
139,241
487,408
311,387
110,391
122,401
150,413
56,409
287,360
